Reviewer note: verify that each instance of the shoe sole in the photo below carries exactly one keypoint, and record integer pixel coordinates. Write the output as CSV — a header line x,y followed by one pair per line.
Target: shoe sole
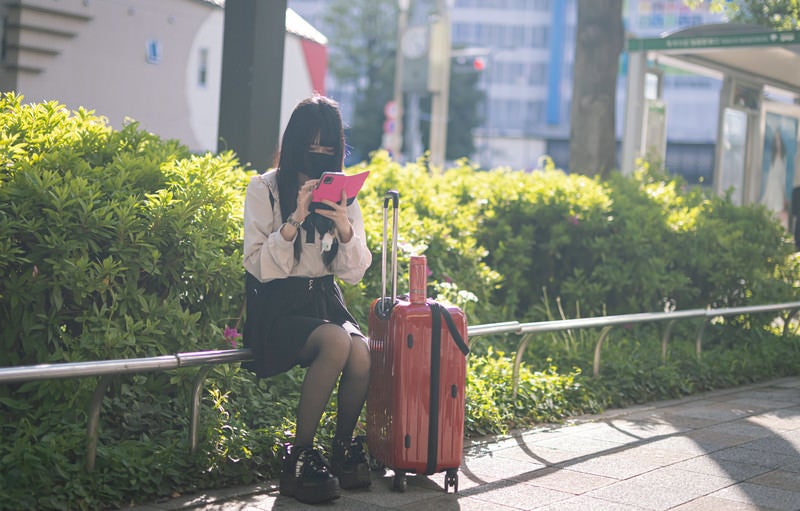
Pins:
x,y
313,495
354,480
357,486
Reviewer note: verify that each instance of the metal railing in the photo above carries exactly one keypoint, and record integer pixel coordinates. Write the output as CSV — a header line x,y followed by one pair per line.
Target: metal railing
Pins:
x,y
107,369
528,330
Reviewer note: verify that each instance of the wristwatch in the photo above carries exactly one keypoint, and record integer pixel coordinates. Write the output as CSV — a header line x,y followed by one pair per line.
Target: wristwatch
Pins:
x,y
294,223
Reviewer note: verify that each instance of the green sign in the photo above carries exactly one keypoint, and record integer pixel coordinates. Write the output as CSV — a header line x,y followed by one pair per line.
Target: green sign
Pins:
x,y
715,41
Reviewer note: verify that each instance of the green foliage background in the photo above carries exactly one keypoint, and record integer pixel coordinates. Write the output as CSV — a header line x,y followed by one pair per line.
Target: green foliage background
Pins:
x,y
776,14
118,244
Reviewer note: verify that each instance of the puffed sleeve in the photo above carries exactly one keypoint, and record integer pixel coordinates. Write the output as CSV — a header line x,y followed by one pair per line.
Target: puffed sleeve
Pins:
x,y
267,256
353,257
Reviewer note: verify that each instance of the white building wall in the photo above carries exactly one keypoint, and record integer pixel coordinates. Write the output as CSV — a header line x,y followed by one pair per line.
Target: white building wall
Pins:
x,y
203,98
105,68
295,72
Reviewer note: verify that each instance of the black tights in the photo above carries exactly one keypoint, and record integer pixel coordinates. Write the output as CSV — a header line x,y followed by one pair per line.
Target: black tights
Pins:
x,y
330,351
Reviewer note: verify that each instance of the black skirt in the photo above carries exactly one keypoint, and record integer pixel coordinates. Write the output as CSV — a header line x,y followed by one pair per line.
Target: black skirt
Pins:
x,y
282,313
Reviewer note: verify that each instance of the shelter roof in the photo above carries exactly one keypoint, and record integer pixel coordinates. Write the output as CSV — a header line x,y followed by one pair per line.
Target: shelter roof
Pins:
x,y
749,52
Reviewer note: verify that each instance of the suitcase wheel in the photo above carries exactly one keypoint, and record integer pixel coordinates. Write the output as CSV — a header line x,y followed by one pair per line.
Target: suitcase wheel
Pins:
x,y
451,479
399,481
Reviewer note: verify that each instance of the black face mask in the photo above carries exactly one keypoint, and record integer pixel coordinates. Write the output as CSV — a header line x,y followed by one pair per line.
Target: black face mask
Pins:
x,y
314,174
316,163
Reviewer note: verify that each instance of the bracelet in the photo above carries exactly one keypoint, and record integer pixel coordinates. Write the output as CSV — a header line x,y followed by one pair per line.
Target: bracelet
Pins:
x,y
294,223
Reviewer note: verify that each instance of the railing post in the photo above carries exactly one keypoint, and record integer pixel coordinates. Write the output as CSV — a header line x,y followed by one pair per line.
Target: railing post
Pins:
x,y
603,335
195,418
523,344
788,321
94,419
665,340
698,343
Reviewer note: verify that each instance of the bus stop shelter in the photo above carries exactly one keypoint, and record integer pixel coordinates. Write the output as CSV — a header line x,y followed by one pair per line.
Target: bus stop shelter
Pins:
x,y
756,155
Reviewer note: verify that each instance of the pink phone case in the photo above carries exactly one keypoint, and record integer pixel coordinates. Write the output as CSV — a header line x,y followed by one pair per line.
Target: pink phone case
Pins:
x,y
331,184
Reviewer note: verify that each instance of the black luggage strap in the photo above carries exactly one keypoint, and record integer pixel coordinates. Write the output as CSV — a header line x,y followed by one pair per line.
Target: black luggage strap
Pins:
x,y
438,312
451,326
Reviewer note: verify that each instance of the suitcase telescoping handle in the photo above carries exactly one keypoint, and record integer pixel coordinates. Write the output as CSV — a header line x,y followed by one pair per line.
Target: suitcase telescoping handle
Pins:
x,y
384,306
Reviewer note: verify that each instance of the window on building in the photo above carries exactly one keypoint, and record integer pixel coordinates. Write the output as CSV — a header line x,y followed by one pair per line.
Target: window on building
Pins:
x,y
460,33
154,51
537,37
535,113
517,36
202,67
537,74
514,114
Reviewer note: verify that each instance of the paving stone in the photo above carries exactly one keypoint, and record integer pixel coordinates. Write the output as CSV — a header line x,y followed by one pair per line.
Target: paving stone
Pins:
x,y
759,495
719,412
755,457
714,438
584,503
668,416
787,419
793,467
731,470
544,455
718,504
462,504
520,496
566,480
381,495
627,432
616,466
782,442
740,428
758,403
781,479
660,489
493,467
686,445
577,444
657,454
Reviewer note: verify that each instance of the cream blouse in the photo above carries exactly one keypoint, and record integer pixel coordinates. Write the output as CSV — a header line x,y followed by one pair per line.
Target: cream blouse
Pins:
x,y
267,256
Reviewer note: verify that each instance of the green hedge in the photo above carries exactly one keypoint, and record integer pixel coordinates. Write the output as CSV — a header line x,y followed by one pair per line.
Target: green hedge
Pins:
x,y
113,244
118,244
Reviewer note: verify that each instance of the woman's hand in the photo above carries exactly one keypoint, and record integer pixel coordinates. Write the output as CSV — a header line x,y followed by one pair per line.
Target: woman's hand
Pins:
x,y
338,213
289,231
304,200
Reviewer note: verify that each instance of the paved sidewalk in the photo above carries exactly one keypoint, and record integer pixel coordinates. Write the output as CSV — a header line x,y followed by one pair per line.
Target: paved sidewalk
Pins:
x,y
731,450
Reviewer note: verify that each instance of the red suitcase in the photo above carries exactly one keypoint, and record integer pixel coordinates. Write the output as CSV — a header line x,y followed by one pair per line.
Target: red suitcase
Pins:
x,y
415,403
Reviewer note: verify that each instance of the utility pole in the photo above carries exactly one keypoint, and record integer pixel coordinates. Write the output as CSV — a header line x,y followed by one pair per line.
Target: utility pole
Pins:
x,y
397,137
252,76
439,82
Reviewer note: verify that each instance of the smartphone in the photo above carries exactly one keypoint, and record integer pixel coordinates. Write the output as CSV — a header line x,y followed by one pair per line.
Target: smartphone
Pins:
x,y
330,186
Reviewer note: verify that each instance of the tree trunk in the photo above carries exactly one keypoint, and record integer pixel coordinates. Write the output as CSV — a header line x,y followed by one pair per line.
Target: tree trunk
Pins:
x,y
598,43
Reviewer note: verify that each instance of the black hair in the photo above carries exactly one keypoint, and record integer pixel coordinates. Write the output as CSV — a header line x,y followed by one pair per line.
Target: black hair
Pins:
x,y
313,143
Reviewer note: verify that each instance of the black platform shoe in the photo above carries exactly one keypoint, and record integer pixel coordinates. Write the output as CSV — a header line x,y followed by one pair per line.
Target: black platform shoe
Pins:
x,y
349,464
306,476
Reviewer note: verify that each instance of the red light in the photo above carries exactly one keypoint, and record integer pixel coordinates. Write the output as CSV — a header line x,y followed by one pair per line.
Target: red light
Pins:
x,y
478,64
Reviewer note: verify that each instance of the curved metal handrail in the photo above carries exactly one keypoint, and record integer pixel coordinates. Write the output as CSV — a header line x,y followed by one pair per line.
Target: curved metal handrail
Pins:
x,y
106,369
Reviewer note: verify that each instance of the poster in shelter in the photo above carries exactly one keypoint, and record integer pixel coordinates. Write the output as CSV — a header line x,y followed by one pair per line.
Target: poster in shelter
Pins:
x,y
778,161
